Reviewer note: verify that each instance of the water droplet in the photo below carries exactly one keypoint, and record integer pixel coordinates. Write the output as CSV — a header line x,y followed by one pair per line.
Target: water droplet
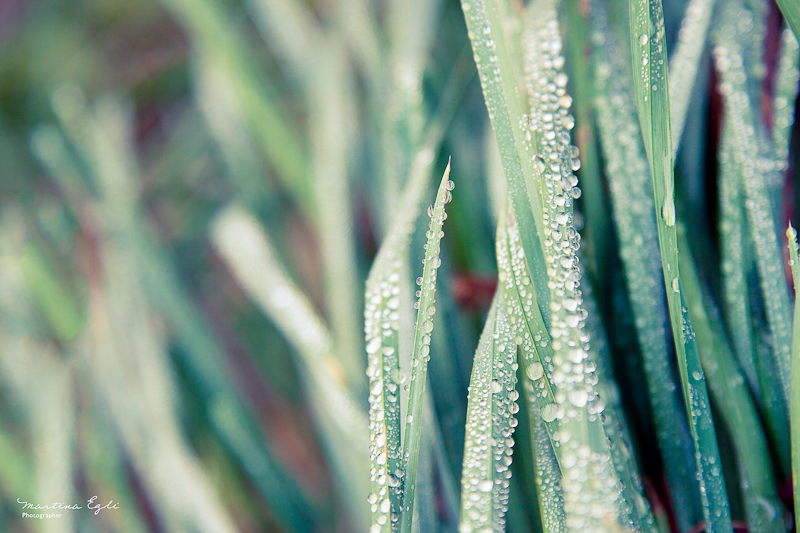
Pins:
x,y
549,412
668,211
578,397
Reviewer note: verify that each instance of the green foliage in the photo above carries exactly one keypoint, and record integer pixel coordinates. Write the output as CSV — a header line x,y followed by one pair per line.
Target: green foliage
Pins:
x,y
198,196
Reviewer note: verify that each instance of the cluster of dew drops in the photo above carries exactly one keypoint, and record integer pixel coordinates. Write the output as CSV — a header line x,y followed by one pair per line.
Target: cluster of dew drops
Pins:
x,y
432,262
487,460
573,373
557,162
382,320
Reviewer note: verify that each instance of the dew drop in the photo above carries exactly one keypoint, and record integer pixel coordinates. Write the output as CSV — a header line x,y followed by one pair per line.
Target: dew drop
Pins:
x,y
668,211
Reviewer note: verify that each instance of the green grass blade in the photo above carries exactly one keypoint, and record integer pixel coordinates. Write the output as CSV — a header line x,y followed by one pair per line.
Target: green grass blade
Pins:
x,y
632,208
727,385
596,231
292,33
573,366
219,41
245,247
791,12
732,228
548,474
685,62
490,426
649,55
734,246
507,111
740,111
421,349
332,135
381,325
786,86
791,236
637,507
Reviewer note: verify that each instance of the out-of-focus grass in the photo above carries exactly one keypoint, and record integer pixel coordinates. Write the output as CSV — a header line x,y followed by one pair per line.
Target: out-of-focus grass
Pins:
x,y
198,196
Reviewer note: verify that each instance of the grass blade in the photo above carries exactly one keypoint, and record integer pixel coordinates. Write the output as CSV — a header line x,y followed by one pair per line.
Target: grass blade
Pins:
x,y
496,67
631,192
573,368
421,349
786,86
332,137
732,228
548,473
763,508
685,62
490,426
791,235
740,112
791,12
649,55
381,325
243,244
596,232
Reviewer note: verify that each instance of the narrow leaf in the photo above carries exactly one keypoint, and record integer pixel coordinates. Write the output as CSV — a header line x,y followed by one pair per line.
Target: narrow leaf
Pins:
x,y
649,56
632,208
421,350
381,325
791,235
490,426
685,62
727,385
508,113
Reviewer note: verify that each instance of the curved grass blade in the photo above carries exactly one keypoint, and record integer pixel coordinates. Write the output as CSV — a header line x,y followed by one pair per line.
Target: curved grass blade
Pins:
x,y
631,192
381,326
649,55
421,354
685,62
754,174
504,101
791,235
243,244
490,426
727,385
